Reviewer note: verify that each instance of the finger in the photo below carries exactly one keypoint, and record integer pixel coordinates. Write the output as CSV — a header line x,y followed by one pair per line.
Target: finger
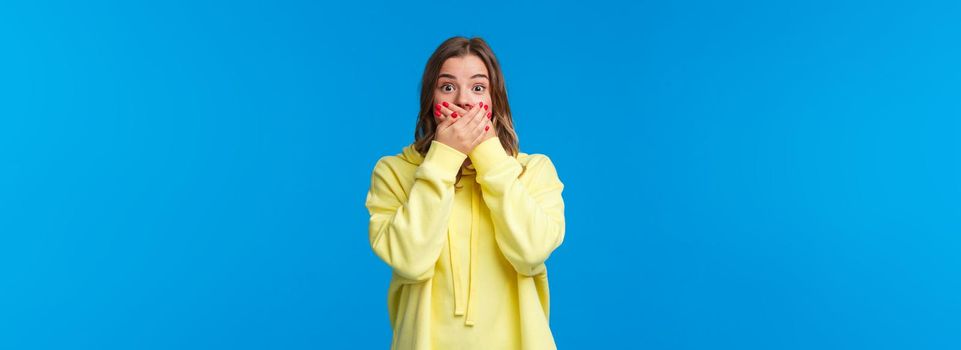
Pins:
x,y
472,116
480,108
460,111
438,114
443,122
464,118
486,124
444,118
439,118
447,113
486,130
479,126
478,116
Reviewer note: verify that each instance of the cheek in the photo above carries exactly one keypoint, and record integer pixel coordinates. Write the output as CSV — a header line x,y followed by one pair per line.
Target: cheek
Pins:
x,y
438,98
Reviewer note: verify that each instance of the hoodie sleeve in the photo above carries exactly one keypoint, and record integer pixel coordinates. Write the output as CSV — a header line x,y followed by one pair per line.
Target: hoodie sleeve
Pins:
x,y
409,233
528,216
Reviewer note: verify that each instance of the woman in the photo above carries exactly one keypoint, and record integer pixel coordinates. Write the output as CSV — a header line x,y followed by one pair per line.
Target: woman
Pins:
x,y
463,218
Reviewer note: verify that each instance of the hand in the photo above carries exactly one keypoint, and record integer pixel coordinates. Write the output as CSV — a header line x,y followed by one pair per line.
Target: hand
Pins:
x,y
463,129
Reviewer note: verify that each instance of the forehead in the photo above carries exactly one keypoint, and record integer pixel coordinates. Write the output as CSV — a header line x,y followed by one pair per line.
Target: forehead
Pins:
x,y
464,67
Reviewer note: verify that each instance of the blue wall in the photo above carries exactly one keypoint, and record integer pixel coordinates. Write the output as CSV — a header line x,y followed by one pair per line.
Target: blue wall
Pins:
x,y
739,174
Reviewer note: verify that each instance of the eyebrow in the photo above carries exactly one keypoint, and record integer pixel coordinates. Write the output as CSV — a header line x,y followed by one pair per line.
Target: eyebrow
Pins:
x,y
445,75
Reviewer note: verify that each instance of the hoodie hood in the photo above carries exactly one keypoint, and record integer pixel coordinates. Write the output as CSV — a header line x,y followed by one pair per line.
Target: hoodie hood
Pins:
x,y
463,304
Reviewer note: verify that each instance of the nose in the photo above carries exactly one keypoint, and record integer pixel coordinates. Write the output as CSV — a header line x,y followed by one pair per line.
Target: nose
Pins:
x,y
463,100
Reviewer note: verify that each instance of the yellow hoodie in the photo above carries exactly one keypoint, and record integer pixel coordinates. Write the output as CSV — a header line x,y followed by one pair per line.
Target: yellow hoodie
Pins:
x,y
468,263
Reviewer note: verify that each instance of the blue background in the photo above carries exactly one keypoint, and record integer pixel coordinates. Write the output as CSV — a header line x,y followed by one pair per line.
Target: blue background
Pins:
x,y
739,174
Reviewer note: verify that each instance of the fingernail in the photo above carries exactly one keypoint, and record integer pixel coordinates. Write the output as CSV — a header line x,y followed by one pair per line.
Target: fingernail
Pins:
x,y
446,105
437,106
488,115
487,127
437,113
485,107
480,103
453,115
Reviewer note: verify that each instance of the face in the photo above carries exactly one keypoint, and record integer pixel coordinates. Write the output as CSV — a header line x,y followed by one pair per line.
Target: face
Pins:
x,y
463,81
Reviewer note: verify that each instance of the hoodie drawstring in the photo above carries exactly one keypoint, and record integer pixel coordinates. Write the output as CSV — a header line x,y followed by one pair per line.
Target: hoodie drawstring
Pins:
x,y
474,234
460,309
463,305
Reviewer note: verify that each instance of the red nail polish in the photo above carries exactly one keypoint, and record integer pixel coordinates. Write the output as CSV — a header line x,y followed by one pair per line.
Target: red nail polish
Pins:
x,y
437,113
453,115
437,106
480,103
485,108
488,115
487,127
446,105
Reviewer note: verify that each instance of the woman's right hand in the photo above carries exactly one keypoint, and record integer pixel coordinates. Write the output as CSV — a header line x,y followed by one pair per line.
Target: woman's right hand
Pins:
x,y
460,129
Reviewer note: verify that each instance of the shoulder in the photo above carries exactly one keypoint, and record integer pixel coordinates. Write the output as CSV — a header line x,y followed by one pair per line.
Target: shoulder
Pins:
x,y
393,163
392,171
537,166
534,159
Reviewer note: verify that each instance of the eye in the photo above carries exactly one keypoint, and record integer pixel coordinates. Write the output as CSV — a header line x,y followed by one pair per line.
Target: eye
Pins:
x,y
479,88
447,87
